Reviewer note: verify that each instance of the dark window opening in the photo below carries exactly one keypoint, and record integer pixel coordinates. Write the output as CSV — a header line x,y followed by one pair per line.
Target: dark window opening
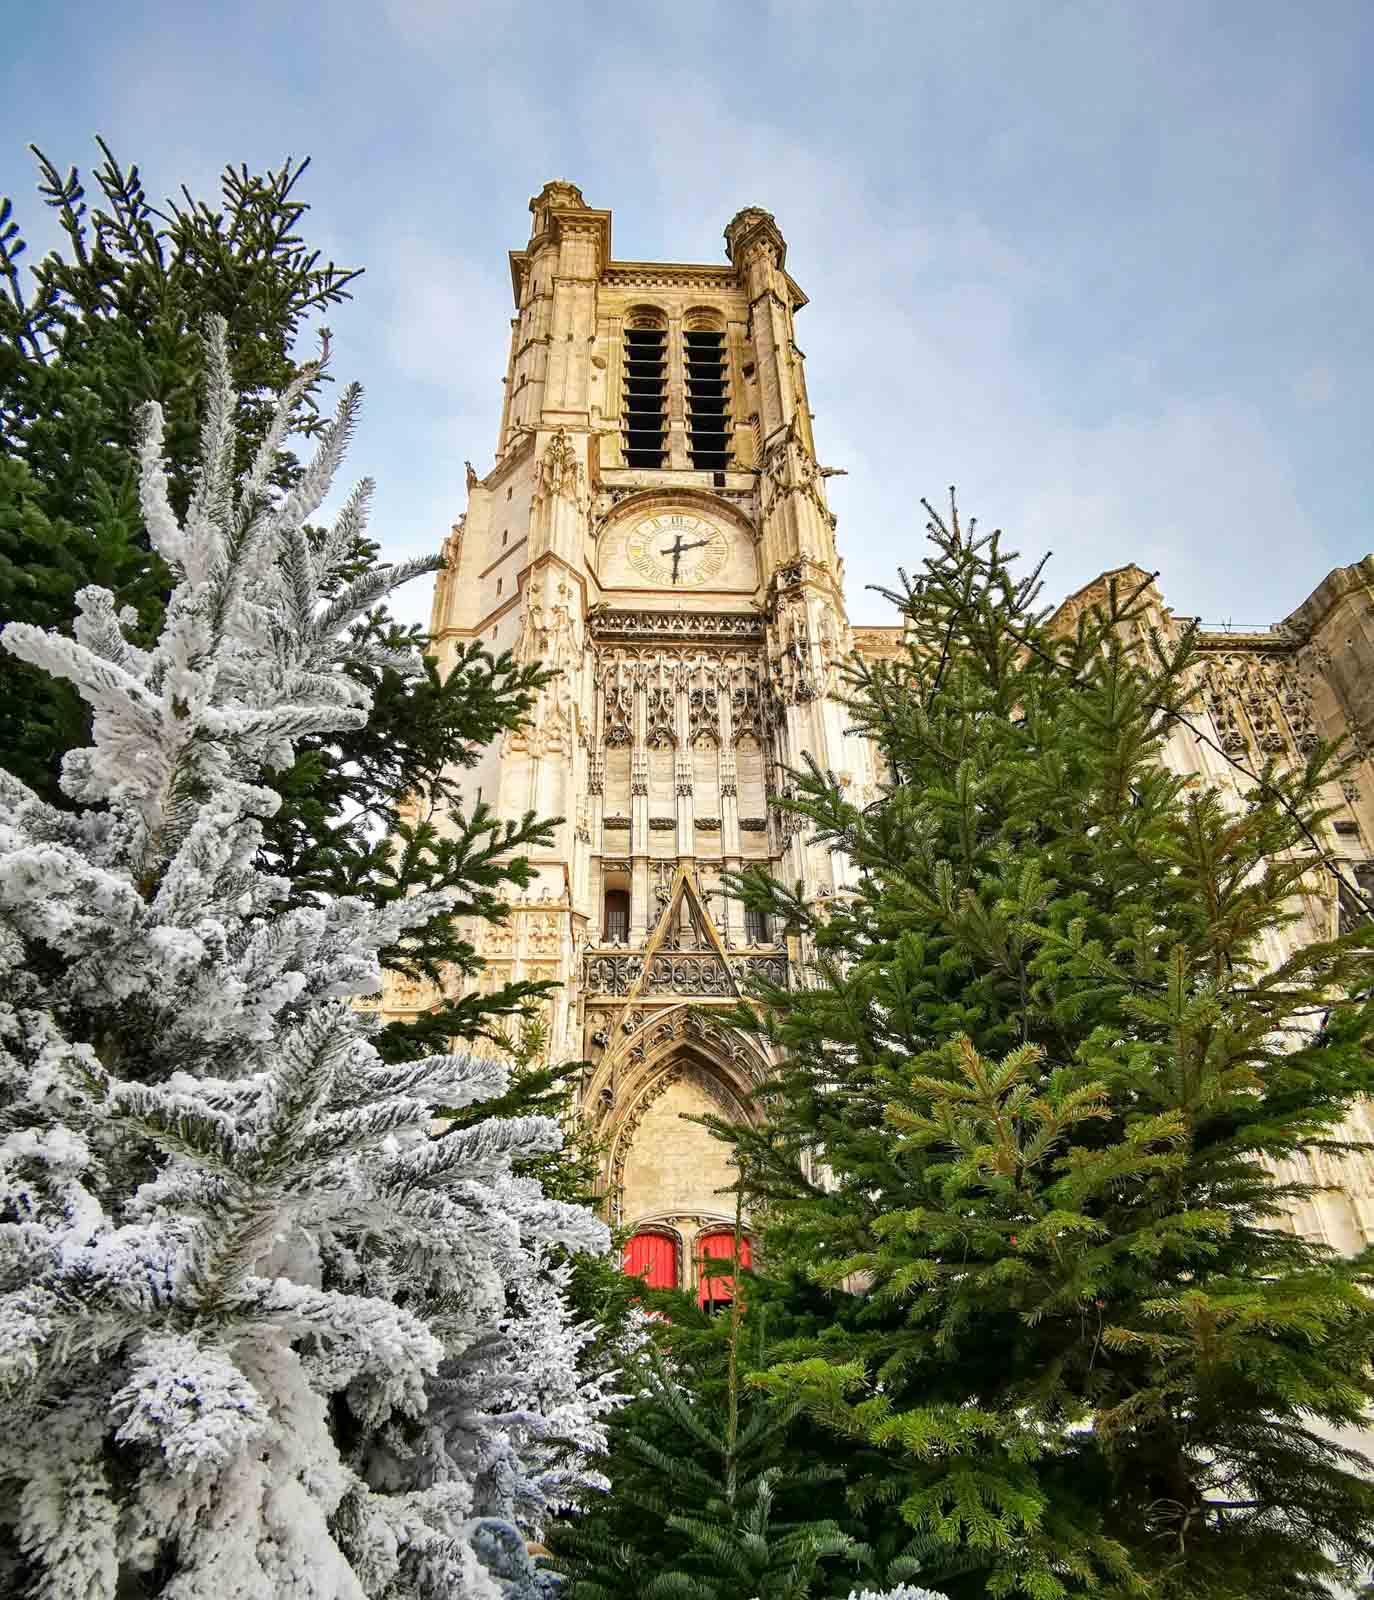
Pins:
x,y
708,400
645,420
756,926
617,924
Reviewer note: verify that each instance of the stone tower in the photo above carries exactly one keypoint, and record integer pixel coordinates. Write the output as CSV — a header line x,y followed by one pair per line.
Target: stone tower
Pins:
x,y
655,530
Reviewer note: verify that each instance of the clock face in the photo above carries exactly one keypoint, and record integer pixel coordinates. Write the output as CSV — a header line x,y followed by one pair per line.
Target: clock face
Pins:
x,y
677,550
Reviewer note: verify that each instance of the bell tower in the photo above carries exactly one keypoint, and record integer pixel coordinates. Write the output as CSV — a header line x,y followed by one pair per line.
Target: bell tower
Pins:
x,y
654,529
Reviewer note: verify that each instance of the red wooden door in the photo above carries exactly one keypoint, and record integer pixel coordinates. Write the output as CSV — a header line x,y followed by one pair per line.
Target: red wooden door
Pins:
x,y
653,1257
718,1286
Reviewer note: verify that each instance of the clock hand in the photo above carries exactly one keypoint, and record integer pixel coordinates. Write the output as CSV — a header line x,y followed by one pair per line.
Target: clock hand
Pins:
x,y
677,548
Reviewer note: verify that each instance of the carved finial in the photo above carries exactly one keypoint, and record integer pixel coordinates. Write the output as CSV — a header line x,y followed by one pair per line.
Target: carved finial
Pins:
x,y
751,228
556,195
560,195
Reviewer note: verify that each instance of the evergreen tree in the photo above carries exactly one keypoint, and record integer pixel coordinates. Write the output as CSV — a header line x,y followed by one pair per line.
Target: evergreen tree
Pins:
x,y
113,321
1047,1073
704,1503
262,1330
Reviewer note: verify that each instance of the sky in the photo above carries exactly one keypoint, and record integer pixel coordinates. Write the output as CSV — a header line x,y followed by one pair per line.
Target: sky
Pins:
x,y
1106,267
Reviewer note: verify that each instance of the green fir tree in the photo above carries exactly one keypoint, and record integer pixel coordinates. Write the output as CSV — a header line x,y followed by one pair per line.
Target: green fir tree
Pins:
x,y
1045,1073
113,319
108,322
707,1500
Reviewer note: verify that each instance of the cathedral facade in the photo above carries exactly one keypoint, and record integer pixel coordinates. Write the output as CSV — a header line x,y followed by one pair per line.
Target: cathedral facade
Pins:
x,y
654,529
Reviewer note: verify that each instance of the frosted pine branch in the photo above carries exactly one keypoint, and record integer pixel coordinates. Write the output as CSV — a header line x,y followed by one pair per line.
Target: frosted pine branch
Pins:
x,y
324,1345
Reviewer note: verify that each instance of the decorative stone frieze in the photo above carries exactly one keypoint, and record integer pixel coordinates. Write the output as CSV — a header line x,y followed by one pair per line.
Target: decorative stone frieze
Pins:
x,y
744,625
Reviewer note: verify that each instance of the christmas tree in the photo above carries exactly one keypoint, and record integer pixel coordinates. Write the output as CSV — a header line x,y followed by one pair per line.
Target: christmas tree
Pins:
x,y
266,1327
1040,1117
112,319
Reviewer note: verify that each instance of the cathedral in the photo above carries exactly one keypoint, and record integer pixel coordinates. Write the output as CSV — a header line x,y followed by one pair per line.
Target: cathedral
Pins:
x,y
654,529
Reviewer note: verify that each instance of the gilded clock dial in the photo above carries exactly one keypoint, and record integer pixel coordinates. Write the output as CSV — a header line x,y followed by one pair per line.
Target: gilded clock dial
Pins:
x,y
677,550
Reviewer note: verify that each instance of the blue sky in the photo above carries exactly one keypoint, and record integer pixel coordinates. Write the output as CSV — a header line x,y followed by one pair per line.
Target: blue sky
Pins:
x,y
1107,267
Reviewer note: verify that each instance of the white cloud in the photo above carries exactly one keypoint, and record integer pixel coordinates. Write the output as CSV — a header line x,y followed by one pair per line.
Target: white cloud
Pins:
x,y
1103,268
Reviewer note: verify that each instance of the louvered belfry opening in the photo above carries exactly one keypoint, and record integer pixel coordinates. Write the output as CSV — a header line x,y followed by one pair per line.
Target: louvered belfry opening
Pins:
x,y
646,396
708,399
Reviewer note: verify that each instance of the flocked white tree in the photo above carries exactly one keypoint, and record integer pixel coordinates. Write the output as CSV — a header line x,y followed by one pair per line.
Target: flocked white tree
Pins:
x,y
263,1331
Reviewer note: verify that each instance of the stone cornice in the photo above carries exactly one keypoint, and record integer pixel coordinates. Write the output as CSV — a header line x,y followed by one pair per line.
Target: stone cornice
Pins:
x,y
878,643
1245,641
669,275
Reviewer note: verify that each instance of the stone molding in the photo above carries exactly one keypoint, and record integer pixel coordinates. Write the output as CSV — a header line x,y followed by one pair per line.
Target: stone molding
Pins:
x,y
669,275
732,626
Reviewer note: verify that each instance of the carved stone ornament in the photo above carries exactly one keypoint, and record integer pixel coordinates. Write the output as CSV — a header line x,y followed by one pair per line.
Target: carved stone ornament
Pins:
x,y
706,625
662,824
615,822
702,974
703,716
560,472
659,718
1221,691
708,824
618,719
751,710
790,469
753,824
1261,698
729,775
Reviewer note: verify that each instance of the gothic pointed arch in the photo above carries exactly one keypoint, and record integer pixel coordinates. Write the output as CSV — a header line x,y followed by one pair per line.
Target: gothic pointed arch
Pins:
x,y
661,1160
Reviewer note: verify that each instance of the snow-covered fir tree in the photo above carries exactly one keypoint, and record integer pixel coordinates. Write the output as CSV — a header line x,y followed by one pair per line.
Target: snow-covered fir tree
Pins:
x,y
264,1330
